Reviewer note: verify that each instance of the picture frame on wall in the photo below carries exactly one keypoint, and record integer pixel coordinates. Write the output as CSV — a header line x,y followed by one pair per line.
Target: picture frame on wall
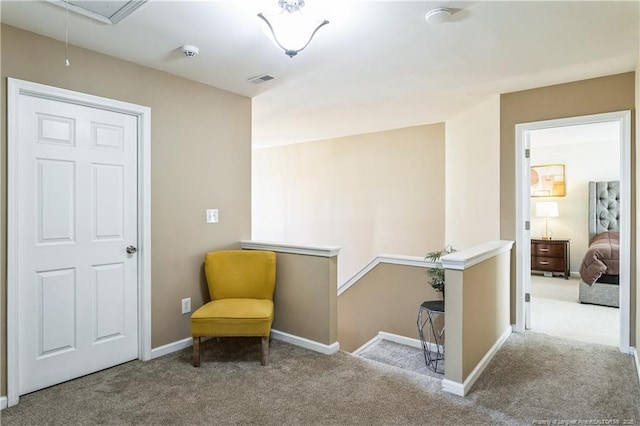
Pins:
x,y
547,180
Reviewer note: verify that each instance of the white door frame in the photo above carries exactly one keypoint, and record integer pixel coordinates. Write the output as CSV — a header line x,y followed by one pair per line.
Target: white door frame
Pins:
x,y
16,88
623,118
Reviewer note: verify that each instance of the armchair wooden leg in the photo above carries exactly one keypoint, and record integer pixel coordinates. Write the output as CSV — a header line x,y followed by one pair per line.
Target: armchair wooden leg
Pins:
x,y
265,350
196,351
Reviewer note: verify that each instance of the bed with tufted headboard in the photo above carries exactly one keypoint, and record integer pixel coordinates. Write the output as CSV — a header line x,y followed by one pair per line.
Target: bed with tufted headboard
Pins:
x,y
600,265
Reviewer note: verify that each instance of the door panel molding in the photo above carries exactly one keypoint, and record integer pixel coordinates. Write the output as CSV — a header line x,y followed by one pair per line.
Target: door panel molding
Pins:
x,y
54,131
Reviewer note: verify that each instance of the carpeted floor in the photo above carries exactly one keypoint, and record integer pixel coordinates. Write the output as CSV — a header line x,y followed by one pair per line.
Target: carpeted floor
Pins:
x,y
532,378
401,356
556,311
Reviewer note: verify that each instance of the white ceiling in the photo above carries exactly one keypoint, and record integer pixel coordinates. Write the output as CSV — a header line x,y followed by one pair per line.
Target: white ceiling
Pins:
x,y
378,65
604,133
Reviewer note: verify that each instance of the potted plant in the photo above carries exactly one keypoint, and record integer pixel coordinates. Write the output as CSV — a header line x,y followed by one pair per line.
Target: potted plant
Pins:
x,y
436,274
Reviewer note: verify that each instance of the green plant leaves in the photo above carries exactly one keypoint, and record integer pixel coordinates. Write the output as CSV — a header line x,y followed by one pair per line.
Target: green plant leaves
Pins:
x,y
436,275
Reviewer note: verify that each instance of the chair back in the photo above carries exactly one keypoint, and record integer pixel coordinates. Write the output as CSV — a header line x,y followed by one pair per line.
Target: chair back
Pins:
x,y
238,274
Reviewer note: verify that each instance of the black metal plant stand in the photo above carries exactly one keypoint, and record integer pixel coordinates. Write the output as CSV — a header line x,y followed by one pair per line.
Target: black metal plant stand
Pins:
x,y
433,340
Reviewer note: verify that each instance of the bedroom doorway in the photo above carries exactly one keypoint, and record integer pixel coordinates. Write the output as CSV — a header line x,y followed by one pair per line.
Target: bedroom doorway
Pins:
x,y
528,137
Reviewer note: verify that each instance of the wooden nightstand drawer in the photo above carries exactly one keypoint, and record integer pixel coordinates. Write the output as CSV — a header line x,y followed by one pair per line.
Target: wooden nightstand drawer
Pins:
x,y
539,263
547,249
550,256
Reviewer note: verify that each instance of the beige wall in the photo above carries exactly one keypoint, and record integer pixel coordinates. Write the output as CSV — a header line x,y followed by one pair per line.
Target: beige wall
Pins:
x,y
370,194
473,175
477,308
598,95
200,158
386,299
305,297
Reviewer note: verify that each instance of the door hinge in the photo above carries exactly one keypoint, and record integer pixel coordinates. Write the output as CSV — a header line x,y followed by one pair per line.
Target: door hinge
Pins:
x,y
527,153
527,297
527,225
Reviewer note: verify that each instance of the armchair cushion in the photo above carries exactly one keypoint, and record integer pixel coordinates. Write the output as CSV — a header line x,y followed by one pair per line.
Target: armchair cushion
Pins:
x,y
233,317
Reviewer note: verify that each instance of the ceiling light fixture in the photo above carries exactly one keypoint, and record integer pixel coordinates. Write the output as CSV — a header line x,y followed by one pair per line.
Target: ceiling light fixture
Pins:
x,y
292,27
438,15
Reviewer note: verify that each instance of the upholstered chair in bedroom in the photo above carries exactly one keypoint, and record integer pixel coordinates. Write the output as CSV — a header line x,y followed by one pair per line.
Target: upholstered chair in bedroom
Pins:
x,y
241,285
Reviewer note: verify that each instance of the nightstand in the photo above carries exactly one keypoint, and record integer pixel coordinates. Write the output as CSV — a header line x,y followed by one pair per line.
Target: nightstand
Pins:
x,y
550,256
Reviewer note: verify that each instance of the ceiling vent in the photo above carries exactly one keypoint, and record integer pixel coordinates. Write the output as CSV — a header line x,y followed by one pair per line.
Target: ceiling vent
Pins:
x,y
260,78
108,12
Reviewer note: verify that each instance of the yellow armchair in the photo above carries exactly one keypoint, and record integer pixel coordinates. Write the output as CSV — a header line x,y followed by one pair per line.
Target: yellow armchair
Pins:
x,y
241,285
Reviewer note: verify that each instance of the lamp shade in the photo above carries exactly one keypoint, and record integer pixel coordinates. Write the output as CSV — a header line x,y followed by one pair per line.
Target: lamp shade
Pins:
x,y
547,209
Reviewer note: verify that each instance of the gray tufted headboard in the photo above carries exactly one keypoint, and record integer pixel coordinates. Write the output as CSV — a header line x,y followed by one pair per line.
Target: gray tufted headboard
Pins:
x,y
604,207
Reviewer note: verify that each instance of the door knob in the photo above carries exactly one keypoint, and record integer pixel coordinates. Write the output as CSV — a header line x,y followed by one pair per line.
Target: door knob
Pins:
x,y
131,250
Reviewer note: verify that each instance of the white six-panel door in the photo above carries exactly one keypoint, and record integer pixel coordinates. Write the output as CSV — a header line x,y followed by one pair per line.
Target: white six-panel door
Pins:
x,y
77,285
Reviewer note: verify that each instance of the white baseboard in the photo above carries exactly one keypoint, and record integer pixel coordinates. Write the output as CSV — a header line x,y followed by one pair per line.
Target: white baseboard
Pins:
x,y
3,402
396,338
462,389
401,340
366,345
279,335
407,341
171,347
306,343
453,387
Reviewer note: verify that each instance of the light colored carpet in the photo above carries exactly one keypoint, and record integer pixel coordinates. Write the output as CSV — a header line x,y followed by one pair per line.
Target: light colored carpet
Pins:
x,y
401,356
556,311
532,377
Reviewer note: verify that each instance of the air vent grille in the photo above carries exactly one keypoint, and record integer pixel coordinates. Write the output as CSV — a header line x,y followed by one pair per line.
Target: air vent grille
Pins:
x,y
260,79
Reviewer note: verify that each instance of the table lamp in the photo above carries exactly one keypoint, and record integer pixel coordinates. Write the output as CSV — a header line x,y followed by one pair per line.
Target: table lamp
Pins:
x,y
547,209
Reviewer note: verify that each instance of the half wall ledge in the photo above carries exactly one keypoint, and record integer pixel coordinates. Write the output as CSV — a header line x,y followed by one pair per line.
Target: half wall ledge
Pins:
x,y
322,251
305,298
464,259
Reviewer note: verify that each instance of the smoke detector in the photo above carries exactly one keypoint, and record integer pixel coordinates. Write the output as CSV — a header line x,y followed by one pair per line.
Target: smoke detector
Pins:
x,y
438,15
190,51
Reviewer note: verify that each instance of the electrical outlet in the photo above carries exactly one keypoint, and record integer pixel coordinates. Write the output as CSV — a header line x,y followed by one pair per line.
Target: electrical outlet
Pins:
x,y
186,305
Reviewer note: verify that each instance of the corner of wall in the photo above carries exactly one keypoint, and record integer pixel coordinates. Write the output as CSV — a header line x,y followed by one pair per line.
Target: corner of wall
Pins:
x,y
472,149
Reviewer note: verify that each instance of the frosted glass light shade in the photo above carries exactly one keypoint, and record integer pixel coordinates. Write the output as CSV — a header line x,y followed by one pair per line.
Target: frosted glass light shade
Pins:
x,y
290,29
547,209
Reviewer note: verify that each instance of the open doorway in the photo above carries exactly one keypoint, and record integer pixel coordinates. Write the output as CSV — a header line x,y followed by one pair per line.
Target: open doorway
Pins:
x,y
563,161
524,134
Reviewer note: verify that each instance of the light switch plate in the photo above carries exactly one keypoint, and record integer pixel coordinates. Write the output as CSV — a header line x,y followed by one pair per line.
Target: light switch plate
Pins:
x,y
212,215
